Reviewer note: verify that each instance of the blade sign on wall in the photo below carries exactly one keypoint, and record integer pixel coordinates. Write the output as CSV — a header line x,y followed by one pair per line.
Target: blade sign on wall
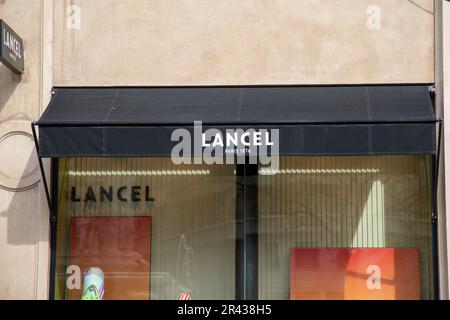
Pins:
x,y
11,48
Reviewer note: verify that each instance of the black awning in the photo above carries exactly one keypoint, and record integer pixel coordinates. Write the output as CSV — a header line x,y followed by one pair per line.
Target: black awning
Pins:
x,y
341,120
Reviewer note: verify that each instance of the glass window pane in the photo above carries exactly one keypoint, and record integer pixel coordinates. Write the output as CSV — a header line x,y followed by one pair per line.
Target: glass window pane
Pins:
x,y
346,202
326,228
156,230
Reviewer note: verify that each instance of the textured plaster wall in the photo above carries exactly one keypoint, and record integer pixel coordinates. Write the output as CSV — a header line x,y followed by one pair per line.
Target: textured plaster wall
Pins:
x,y
213,42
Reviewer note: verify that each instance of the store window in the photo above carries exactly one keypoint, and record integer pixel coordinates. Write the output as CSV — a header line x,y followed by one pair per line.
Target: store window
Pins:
x,y
346,228
154,229
319,228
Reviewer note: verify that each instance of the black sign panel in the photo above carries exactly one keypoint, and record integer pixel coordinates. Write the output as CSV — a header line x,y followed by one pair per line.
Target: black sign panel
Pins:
x,y
11,48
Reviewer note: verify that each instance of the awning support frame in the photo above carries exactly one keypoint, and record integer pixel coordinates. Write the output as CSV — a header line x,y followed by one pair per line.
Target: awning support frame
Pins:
x,y
44,178
435,214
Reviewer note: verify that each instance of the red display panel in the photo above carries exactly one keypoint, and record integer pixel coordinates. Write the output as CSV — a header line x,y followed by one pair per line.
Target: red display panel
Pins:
x,y
355,274
120,246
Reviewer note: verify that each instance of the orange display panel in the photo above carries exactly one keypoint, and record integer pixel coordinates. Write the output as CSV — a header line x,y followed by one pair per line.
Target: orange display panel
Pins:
x,y
120,246
355,274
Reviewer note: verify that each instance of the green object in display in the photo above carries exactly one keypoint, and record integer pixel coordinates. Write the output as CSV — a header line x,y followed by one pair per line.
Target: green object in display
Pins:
x,y
91,293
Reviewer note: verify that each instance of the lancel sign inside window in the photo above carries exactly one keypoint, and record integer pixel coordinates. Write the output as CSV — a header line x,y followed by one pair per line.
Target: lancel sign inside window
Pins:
x,y
109,193
11,48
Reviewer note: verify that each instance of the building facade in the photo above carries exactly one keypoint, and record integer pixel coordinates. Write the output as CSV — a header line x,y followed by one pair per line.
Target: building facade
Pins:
x,y
367,211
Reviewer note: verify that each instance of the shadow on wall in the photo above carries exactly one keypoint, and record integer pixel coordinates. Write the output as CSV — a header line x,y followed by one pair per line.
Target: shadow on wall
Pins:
x,y
8,83
19,169
20,203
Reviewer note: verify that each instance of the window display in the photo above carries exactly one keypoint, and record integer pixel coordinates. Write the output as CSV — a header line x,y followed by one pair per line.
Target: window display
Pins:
x,y
343,202
350,227
178,238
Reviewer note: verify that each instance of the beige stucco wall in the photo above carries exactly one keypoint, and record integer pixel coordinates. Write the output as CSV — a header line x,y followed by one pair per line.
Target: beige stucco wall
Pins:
x,y
212,42
23,214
